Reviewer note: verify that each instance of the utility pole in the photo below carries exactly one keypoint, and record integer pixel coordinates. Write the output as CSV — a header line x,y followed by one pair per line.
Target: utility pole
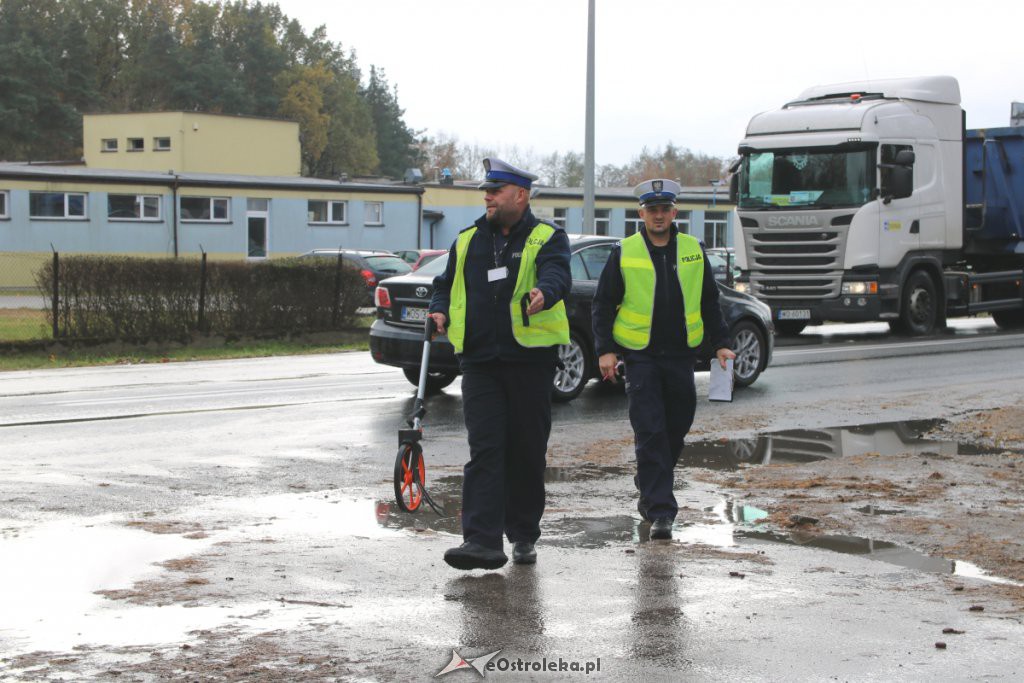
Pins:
x,y
588,148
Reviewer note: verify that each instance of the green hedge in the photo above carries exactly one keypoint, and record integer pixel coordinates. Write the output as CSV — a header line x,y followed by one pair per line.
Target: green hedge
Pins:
x,y
120,297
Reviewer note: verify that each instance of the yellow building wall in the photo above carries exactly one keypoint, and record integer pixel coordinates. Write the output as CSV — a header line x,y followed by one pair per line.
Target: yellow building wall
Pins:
x,y
434,195
200,143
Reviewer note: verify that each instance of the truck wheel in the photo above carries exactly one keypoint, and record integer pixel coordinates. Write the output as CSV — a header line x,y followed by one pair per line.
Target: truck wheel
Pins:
x,y
575,371
790,328
919,307
436,381
748,343
1009,320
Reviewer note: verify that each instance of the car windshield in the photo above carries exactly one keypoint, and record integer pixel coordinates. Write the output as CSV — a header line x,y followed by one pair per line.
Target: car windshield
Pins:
x,y
435,267
819,177
386,263
716,260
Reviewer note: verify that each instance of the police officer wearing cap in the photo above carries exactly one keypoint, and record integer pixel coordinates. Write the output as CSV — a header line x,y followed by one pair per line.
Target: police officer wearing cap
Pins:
x,y
500,300
656,303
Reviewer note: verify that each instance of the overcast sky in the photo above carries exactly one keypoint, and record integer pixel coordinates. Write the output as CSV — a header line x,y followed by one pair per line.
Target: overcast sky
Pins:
x,y
500,74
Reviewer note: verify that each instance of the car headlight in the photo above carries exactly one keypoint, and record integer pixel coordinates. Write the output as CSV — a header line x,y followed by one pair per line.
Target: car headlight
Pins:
x,y
857,288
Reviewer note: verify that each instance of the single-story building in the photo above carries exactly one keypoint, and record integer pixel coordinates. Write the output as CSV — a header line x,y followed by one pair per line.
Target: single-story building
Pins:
x,y
170,184
704,212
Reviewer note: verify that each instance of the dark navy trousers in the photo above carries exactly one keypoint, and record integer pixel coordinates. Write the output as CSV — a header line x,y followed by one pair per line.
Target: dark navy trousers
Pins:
x,y
662,402
507,407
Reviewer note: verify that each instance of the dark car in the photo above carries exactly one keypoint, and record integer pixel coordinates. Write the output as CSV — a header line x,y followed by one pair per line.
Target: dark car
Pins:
x,y
396,337
374,266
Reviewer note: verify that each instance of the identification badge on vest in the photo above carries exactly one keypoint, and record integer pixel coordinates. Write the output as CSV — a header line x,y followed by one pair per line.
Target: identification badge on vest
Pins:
x,y
495,274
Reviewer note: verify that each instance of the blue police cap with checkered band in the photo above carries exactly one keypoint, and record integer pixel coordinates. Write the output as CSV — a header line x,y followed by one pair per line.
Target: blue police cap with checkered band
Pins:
x,y
500,173
657,191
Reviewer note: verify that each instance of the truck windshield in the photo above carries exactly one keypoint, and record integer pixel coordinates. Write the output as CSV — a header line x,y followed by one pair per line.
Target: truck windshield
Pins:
x,y
819,177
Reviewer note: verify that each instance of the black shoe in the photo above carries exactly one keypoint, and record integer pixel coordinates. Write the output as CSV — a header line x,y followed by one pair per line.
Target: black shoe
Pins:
x,y
524,552
661,529
475,556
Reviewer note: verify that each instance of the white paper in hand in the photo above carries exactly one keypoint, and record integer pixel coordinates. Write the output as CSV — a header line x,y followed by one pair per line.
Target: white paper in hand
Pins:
x,y
720,387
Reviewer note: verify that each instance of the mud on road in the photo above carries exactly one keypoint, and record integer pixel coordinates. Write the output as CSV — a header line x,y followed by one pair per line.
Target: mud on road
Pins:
x,y
964,503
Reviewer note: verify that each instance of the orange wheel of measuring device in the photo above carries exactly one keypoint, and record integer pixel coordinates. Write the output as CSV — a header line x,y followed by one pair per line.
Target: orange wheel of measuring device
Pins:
x,y
409,475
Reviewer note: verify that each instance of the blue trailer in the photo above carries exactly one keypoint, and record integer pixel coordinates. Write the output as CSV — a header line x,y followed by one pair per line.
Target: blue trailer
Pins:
x,y
994,189
992,279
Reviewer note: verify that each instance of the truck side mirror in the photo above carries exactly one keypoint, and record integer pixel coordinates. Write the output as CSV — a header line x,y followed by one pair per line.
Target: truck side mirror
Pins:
x,y
904,157
734,180
901,180
898,176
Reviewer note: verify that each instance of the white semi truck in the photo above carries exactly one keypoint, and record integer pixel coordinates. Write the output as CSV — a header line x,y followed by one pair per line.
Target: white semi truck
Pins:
x,y
871,201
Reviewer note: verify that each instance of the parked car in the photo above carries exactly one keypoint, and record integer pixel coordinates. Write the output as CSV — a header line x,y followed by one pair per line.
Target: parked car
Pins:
x,y
426,256
374,266
396,337
419,257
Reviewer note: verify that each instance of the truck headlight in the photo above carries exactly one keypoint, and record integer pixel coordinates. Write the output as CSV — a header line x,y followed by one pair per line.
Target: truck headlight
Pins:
x,y
856,288
743,287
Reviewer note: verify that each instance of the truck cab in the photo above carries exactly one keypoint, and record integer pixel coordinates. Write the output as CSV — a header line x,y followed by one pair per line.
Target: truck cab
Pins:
x,y
850,203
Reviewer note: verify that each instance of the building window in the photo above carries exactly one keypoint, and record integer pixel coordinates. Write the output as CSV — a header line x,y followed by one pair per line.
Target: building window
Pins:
x,y
633,222
561,218
161,144
204,209
323,211
374,213
602,221
144,207
715,223
109,145
682,222
136,145
56,205
3,204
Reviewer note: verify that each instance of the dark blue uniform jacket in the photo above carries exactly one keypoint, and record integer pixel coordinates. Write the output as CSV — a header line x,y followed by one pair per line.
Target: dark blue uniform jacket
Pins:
x,y
488,320
668,331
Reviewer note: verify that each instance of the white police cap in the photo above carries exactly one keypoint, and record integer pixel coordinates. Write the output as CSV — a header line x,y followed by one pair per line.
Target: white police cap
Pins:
x,y
500,173
657,191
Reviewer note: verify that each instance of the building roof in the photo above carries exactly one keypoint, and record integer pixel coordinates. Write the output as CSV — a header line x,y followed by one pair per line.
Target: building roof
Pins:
x,y
80,173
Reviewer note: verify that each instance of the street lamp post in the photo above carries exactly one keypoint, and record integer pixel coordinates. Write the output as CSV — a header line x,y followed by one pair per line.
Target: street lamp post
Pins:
x,y
588,147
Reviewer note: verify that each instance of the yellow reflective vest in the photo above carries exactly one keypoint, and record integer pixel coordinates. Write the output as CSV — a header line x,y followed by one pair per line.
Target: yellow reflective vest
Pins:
x,y
545,328
632,328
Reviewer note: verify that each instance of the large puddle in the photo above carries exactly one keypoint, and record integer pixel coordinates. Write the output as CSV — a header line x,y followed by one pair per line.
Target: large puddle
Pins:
x,y
731,523
807,445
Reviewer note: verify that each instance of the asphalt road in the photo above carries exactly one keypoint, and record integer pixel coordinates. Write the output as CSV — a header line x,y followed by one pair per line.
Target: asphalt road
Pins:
x,y
235,518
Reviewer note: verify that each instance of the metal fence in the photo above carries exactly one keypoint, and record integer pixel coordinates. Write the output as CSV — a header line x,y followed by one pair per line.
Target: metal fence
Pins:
x,y
99,298
23,305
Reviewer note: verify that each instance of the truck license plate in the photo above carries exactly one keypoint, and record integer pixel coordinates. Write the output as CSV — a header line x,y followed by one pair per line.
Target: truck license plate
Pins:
x,y
795,314
414,313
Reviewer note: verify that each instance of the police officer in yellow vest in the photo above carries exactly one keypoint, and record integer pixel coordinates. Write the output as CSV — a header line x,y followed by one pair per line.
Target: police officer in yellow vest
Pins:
x,y
500,301
656,302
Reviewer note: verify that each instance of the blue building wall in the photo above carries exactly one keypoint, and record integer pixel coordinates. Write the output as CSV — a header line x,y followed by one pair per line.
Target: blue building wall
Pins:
x,y
289,229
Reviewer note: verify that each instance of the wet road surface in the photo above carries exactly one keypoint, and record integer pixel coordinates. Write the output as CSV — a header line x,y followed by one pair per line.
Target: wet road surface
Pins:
x,y
235,519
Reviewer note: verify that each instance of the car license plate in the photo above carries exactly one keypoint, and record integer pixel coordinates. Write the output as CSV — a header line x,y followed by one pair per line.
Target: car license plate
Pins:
x,y
795,314
414,313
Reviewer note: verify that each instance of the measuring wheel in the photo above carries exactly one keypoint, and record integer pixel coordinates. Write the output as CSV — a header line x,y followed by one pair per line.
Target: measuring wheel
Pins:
x,y
409,475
